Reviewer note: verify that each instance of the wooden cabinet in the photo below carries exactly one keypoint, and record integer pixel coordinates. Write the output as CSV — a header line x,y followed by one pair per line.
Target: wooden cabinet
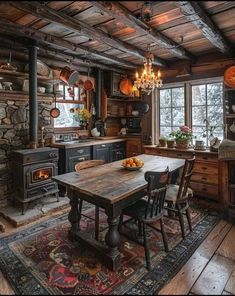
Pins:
x,y
101,152
229,110
117,151
205,179
133,147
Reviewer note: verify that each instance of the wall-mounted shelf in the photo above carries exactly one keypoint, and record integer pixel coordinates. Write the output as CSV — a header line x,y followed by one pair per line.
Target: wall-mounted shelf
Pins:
x,y
22,75
23,96
124,116
230,115
130,100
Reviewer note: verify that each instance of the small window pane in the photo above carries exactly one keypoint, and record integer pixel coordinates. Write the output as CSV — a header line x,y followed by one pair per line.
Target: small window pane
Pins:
x,y
215,114
198,95
198,115
165,116
165,131
165,97
178,116
215,94
178,97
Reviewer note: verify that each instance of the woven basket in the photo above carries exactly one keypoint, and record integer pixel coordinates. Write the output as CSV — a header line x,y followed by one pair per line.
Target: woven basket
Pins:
x,y
184,144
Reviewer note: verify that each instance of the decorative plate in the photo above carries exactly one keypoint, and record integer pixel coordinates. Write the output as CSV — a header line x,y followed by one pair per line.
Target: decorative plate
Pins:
x,y
126,86
229,76
132,168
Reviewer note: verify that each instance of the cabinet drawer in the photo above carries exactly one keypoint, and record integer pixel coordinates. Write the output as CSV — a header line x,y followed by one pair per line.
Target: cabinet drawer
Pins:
x,y
132,153
162,152
205,178
101,146
134,145
119,145
205,190
151,151
205,168
178,154
207,157
79,151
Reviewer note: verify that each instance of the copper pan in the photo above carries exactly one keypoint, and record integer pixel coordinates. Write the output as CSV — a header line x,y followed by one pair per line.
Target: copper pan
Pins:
x,y
88,85
126,86
69,76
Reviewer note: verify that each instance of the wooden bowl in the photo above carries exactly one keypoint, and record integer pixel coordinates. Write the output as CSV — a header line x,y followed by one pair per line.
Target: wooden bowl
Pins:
x,y
132,168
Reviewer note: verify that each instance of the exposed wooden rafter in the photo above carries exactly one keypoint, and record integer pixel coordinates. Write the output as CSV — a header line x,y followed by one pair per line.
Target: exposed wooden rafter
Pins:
x,y
195,14
77,50
56,54
123,15
62,19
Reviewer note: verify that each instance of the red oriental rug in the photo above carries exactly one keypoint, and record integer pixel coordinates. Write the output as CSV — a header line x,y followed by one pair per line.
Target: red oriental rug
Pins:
x,y
40,260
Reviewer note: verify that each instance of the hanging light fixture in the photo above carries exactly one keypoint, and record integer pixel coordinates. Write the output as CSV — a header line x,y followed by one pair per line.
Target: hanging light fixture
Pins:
x,y
148,80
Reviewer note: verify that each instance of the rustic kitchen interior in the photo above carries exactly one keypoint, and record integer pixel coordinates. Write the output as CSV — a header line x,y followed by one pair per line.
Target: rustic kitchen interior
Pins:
x,y
117,147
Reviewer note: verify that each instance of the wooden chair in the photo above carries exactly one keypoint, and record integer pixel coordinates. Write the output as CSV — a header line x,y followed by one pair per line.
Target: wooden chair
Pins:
x,y
178,196
150,209
85,165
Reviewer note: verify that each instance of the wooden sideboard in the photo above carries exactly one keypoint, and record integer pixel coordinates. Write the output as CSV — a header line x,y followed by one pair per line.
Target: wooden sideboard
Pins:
x,y
206,178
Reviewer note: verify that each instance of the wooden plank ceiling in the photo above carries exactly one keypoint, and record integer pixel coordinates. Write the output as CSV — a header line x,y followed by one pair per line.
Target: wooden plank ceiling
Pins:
x,y
112,34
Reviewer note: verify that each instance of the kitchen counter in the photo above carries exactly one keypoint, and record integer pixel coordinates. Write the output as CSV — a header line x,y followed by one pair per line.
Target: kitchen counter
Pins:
x,y
89,142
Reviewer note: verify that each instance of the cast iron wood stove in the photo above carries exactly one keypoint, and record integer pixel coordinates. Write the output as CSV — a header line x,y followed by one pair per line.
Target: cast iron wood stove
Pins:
x,y
32,172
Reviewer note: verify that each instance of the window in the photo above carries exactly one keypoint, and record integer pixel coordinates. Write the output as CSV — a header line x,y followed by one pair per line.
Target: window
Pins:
x,y
207,110
172,109
197,104
67,98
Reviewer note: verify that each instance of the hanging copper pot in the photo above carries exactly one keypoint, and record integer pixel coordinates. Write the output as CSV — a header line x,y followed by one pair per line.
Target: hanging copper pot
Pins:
x,y
55,112
69,76
88,85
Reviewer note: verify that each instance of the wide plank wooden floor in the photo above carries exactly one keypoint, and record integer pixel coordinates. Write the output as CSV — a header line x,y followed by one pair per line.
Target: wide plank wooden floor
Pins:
x,y
209,271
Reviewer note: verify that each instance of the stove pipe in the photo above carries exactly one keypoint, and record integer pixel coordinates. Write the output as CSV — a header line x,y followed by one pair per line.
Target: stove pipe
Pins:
x,y
33,104
99,83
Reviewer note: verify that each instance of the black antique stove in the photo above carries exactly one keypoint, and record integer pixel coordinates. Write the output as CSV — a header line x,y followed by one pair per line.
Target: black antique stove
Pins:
x,y
32,172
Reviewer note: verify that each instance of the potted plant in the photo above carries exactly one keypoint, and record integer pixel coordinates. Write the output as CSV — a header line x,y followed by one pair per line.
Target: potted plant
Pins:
x,y
162,141
182,137
81,116
170,142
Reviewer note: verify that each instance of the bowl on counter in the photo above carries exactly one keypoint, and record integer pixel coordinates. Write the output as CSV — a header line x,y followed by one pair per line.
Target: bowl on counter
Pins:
x,y
95,132
41,89
135,113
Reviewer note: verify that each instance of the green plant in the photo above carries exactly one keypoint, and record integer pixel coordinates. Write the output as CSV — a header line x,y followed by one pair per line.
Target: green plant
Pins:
x,y
164,138
184,133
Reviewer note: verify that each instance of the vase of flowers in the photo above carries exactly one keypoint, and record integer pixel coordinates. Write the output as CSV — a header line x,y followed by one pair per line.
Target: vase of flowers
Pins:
x,y
81,116
182,137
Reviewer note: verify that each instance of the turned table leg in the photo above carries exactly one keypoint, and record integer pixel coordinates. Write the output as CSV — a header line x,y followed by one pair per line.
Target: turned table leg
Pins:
x,y
74,216
112,240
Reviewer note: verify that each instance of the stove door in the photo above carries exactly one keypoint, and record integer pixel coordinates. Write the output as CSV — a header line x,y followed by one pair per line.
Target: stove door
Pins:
x,y
40,174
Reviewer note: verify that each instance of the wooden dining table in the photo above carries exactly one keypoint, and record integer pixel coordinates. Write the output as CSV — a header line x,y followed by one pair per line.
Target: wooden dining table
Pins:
x,y
111,187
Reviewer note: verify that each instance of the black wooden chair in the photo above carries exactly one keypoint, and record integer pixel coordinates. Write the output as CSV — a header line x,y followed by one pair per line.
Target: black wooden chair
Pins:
x,y
148,210
85,165
178,196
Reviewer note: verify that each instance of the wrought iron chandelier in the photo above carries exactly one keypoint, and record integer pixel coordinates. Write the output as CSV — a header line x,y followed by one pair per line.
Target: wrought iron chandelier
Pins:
x,y
148,80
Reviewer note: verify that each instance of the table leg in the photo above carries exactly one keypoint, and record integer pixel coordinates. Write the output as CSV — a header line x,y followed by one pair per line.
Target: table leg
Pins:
x,y
74,216
112,240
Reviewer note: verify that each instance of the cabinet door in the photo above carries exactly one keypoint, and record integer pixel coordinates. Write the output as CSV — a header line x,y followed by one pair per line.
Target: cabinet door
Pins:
x,y
117,154
101,152
73,160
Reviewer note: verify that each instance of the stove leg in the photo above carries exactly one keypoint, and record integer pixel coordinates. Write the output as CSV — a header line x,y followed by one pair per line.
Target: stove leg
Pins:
x,y
57,196
23,208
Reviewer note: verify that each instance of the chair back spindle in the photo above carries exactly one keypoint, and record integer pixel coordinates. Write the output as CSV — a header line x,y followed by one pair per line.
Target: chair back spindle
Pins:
x,y
185,179
156,192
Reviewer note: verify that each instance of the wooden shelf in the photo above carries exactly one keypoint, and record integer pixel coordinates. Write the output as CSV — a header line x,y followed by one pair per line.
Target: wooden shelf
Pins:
x,y
125,116
230,115
23,96
123,100
22,75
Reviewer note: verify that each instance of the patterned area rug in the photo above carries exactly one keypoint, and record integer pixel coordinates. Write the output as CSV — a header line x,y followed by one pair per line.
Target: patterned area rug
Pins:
x,y
40,260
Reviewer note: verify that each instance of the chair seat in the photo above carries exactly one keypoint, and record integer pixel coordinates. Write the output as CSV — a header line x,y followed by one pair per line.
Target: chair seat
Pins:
x,y
172,192
137,210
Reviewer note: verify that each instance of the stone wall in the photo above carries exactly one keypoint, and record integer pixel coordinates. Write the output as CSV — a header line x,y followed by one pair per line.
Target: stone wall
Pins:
x,y
14,134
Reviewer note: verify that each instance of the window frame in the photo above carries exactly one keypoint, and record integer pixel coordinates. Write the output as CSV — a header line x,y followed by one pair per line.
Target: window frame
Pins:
x,y
187,101
62,100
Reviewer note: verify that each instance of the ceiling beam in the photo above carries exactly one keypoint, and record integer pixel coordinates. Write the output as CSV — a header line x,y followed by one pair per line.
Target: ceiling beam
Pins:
x,y
75,25
55,54
195,14
9,26
123,15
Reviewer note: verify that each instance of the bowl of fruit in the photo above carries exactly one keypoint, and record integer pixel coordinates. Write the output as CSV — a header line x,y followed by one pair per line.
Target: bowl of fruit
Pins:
x,y
133,163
